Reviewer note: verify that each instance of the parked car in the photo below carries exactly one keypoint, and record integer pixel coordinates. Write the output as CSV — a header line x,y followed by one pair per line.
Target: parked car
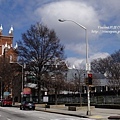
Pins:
x,y
6,102
27,105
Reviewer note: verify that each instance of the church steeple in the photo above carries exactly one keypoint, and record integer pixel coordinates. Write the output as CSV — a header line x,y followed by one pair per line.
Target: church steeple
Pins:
x,y
6,47
1,28
11,30
16,46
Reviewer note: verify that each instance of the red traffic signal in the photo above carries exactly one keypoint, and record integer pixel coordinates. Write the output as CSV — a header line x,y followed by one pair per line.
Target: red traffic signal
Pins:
x,y
90,79
90,75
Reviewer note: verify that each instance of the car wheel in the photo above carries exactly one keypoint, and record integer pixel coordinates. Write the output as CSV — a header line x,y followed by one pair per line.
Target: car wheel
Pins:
x,y
2,105
21,108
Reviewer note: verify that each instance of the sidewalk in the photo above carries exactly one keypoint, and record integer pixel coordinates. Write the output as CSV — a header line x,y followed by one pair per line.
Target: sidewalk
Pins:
x,y
96,113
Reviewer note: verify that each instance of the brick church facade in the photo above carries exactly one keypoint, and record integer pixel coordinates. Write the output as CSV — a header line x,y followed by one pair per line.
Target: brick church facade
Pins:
x,y
6,45
9,53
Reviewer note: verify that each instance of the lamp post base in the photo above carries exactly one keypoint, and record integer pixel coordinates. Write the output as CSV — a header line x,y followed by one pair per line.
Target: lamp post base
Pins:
x,y
88,113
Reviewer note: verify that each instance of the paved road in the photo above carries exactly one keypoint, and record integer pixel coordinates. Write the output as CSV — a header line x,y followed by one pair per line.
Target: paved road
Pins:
x,y
14,113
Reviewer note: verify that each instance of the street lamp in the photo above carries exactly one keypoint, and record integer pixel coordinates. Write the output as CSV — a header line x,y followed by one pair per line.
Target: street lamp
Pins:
x,y
61,20
87,64
1,87
22,66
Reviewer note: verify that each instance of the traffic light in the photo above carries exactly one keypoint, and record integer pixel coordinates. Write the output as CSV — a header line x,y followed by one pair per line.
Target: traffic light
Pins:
x,y
86,81
31,78
89,79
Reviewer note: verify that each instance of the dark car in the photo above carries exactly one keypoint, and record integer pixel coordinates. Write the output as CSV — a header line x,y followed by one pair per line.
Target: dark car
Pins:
x,y
27,105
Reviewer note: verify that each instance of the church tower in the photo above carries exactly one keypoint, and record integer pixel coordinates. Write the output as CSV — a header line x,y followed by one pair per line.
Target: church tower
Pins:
x,y
6,45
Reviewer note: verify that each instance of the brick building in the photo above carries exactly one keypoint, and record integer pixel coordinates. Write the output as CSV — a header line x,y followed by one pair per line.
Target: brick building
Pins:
x,y
9,53
6,45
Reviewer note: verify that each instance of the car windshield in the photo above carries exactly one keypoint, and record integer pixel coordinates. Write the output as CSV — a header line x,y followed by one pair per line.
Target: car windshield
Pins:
x,y
7,100
24,102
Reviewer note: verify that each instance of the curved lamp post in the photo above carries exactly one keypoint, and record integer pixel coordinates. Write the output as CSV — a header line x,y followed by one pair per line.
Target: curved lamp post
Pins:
x,y
61,20
87,64
22,68
1,87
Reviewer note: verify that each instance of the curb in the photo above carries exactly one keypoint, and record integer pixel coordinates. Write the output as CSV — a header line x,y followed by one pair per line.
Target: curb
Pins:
x,y
62,113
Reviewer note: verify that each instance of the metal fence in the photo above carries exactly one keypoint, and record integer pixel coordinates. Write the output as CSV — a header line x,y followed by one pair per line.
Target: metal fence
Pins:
x,y
106,100
93,99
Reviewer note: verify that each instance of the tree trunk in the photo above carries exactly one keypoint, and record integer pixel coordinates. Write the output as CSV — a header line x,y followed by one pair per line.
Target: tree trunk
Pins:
x,y
55,96
39,93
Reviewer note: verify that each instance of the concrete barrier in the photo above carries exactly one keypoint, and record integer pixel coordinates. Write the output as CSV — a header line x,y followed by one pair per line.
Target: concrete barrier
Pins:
x,y
57,106
75,108
72,108
40,105
114,118
50,106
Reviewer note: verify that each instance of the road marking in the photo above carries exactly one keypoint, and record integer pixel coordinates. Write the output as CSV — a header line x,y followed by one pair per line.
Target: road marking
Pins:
x,y
96,116
8,119
42,118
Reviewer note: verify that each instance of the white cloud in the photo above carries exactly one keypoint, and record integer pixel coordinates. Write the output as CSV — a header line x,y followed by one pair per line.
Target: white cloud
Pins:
x,y
99,55
80,63
77,48
73,10
89,14
107,9
73,61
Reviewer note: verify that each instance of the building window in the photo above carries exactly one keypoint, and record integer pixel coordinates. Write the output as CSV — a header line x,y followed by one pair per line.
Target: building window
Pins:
x,y
11,58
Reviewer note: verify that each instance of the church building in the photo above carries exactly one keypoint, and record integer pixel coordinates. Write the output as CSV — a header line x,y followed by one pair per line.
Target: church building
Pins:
x,y
6,45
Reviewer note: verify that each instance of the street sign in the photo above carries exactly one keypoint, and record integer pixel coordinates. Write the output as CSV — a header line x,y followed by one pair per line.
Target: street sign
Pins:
x,y
45,98
88,67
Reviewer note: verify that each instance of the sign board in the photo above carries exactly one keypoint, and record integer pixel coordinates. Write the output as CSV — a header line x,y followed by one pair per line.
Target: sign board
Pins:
x,y
6,93
31,85
27,91
88,66
45,98
45,93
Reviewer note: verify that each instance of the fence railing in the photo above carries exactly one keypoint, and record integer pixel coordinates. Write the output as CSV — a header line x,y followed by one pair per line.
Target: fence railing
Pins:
x,y
93,99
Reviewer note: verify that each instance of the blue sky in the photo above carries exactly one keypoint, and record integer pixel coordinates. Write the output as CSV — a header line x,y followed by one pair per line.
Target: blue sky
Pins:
x,y
101,18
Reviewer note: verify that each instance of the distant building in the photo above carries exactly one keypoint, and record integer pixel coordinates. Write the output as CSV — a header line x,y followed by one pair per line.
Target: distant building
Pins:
x,y
99,82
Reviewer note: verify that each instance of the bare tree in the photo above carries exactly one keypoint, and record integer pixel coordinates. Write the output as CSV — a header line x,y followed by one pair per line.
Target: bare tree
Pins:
x,y
38,48
16,81
8,73
110,67
79,79
5,74
55,79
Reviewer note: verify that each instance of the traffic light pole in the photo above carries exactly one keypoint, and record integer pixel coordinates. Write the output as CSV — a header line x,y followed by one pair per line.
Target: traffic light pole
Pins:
x,y
89,82
87,71
88,98
87,64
